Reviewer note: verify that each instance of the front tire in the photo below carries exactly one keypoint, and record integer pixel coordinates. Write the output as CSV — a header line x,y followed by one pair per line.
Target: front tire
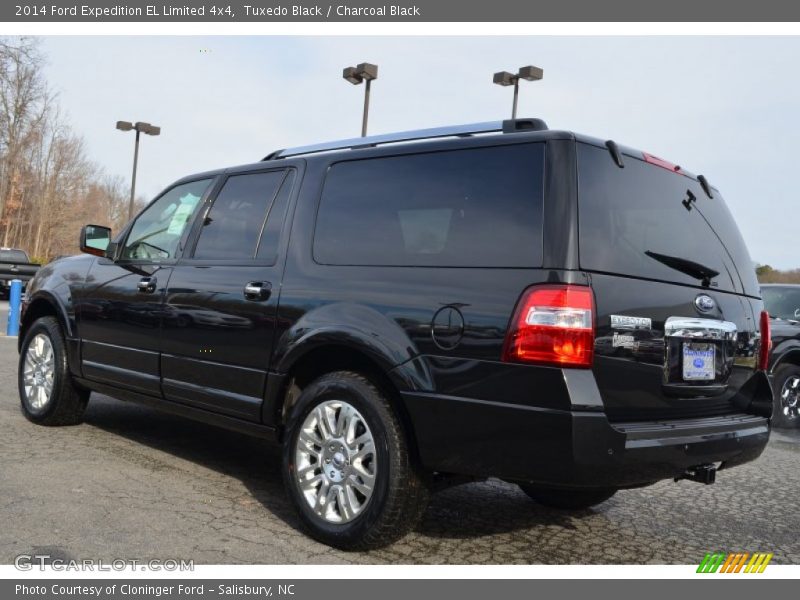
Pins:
x,y
565,499
347,466
786,384
48,395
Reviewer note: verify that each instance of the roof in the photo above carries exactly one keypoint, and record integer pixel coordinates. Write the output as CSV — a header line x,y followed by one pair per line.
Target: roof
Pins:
x,y
528,129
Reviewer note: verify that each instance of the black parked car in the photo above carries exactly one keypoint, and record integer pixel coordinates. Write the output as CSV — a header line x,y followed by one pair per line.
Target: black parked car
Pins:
x,y
490,300
782,301
15,264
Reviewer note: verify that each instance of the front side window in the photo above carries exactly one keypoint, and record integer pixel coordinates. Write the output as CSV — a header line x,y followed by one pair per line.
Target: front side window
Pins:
x,y
782,301
157,232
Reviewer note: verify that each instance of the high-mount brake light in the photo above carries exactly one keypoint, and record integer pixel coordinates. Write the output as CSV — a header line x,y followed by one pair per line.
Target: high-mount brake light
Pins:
x,y
660,162
766,342
552,325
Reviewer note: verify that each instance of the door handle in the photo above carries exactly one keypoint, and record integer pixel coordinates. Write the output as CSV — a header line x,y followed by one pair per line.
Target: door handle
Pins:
x,y
146,285
257,290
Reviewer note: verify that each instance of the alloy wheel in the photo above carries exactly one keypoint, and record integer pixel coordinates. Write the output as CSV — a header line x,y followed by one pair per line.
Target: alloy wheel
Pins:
x,y
335,461
790,397
39,372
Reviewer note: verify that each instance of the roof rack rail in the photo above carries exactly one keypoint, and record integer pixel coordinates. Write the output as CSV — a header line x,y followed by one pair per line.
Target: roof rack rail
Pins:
x,y
507,126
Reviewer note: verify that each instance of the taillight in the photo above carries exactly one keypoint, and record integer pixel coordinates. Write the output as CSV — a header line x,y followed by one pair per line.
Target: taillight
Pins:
x,y
766,342
552,325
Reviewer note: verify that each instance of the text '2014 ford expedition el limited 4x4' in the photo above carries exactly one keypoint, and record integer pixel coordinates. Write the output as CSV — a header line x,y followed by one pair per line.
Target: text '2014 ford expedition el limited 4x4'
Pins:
x,y
491,300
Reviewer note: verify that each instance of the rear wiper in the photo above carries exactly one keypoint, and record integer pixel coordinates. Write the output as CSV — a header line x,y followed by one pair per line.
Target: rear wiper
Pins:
x,y
692,269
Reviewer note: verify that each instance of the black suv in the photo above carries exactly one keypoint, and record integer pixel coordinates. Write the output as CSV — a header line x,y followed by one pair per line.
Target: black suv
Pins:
x,y
489,300
782,301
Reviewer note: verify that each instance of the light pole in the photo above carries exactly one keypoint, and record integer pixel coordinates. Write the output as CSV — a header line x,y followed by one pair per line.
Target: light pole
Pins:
x,y
504,78
139,127
355,75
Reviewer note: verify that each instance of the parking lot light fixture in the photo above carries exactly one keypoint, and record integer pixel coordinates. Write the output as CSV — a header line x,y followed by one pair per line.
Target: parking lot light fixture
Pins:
x,y
139,127
363,72
504,78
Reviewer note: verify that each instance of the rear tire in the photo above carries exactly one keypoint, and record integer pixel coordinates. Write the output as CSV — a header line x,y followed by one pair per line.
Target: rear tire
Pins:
x,y
786,385
347,466
47,392
567,499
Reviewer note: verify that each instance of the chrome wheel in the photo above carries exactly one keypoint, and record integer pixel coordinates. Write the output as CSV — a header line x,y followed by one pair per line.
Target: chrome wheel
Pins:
x,y
790,398
39,372
335,461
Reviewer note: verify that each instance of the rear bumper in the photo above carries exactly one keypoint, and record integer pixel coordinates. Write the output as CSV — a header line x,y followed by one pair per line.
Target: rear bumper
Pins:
x,y
578,448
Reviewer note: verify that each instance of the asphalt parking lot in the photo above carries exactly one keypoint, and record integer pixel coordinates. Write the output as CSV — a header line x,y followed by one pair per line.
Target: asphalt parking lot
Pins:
x,y
132,483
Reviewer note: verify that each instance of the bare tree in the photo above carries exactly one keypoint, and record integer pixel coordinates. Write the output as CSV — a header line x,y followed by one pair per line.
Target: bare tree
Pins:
x,y
48,186
24,103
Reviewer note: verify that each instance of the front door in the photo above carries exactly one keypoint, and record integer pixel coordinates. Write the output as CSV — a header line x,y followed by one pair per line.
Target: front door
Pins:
x,y
120,311
222,298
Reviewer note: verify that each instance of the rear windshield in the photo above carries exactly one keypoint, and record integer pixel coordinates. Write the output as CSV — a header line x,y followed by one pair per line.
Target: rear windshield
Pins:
x,y
635,219
16,256
479,207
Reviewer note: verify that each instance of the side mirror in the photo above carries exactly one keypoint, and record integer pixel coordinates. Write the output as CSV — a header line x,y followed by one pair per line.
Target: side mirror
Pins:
x,y
95,239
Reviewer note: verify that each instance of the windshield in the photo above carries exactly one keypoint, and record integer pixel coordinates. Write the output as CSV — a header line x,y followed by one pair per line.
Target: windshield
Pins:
x,y
782,302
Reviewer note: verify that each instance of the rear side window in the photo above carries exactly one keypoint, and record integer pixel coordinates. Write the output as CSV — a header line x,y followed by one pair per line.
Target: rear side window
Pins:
x,y
480,207
628,215
270,237
233,226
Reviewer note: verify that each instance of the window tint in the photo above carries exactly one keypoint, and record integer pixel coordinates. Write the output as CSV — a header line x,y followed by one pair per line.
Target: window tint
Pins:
x,y
480,207
270,236
157,231
232,227
627,213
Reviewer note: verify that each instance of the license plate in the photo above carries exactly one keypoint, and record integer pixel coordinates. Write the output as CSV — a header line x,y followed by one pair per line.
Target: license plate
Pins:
x,y
698,362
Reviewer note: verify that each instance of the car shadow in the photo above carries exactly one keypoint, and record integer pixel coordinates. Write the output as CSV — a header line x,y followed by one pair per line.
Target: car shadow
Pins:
x,y
470,510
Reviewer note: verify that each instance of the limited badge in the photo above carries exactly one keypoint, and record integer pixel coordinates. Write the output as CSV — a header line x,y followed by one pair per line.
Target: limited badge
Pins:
x,y
620,340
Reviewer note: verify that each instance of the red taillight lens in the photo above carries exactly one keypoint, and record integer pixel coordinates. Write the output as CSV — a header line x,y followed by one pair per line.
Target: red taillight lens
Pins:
x,y
766,342
552,325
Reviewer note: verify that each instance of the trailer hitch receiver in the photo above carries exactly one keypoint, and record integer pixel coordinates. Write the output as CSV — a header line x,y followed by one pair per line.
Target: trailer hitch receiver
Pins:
x,y
706,474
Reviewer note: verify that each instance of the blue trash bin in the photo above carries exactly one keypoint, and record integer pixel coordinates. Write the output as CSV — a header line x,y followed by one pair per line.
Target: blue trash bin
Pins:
x,y
14,302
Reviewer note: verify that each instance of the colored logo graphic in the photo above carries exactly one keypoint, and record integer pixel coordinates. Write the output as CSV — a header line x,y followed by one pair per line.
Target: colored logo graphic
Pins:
x,y
739,562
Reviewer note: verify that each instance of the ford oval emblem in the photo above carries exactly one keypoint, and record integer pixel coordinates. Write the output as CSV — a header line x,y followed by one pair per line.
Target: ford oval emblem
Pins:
x,y
704,303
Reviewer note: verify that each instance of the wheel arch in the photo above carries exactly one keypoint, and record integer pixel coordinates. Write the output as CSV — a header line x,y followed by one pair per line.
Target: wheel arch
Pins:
x,y
43,304
321,358
790,356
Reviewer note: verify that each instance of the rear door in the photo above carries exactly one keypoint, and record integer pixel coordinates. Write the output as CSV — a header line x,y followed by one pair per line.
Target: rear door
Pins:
x,y
675,289
219,314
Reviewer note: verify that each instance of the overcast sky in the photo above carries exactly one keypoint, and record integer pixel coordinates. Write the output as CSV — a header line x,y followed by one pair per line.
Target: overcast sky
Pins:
x,y
726,107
